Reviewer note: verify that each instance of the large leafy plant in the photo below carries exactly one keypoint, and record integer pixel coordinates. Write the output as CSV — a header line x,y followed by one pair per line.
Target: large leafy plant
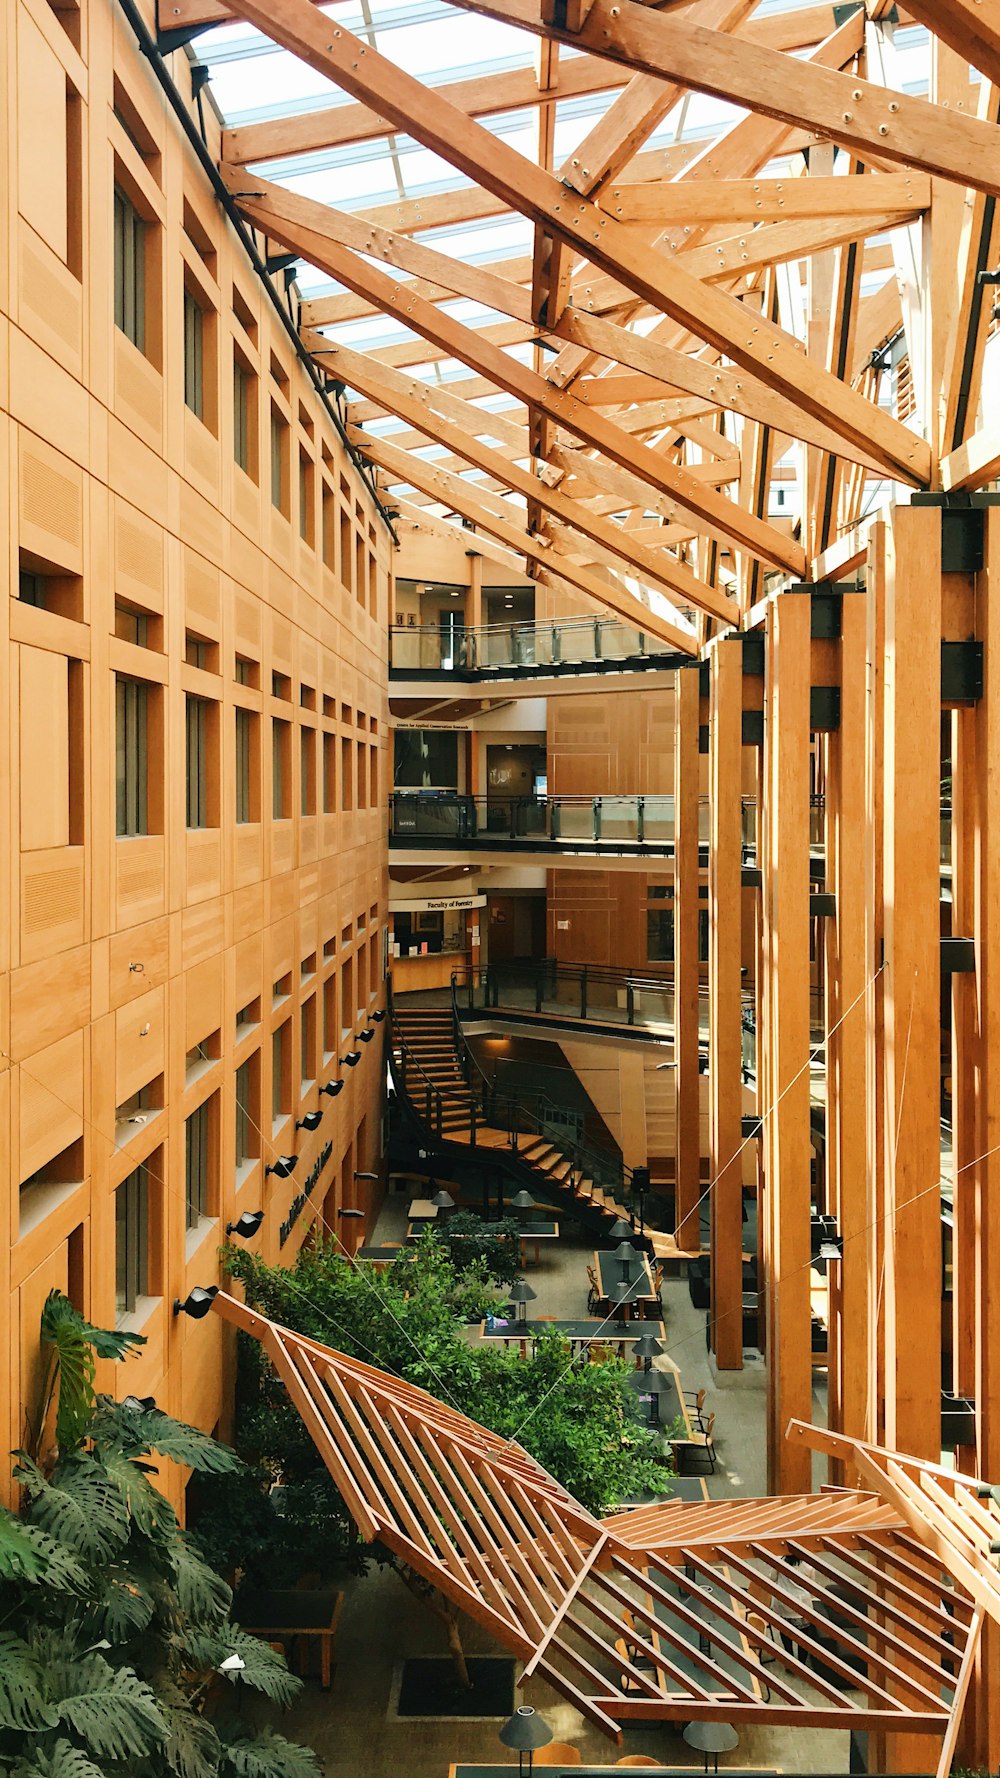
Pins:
x,y
116,1645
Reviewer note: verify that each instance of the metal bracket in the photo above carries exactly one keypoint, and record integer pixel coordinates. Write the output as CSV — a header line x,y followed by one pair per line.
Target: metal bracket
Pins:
x,y
961,672
823,905
824,707
169,40
958,956
753,728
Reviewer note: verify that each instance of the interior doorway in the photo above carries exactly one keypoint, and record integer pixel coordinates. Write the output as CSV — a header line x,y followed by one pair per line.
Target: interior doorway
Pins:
x,y
515,927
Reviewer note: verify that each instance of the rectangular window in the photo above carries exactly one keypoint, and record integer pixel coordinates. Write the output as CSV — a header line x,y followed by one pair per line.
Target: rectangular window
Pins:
x,y
660,935
245,812
197,721
331,1026
307,1034
196,1165
279,464
329,527
243,418
280,1072
246,1123
131,1242
280,764
130,270
131,761
307,748
346,782
31,589
305,497
329,774
131,625
194,356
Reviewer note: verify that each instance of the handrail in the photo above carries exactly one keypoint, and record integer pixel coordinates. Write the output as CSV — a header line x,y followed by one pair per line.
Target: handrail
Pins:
x,y
533,642
592,1161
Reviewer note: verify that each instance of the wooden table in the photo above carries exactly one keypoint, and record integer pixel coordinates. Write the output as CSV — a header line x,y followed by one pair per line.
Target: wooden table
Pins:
x,y
461,1770
532,1233
578,1333
422,1210
608,1268
287,1613
383,1256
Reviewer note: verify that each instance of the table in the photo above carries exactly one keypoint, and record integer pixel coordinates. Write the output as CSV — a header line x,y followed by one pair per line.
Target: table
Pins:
x,y
461,1770
421,1210
608,1267
711,1739
292,1612
578,1333
532,1233
383,1256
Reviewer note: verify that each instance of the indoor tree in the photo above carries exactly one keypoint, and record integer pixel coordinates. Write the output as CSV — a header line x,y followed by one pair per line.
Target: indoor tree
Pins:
x,y
117,1651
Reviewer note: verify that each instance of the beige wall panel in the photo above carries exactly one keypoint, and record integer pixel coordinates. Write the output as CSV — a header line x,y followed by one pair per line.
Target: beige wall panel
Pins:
x,y
138,558
51,1103
44,759
140,874
53,888
203,1001
50,298
139,1043
41,136
40,388
50,507
49,1000
139,960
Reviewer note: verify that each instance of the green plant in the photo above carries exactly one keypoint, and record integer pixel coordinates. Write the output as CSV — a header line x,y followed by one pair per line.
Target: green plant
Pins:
x,y
493,1247
114,1628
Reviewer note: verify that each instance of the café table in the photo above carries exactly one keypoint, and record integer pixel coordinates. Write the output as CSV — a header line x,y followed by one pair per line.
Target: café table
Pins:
x,y
608,1268
422,1210
711,1739
578,1333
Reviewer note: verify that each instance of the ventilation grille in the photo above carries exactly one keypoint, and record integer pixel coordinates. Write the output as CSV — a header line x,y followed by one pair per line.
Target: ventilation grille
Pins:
x,y
52,898
51,500
139,555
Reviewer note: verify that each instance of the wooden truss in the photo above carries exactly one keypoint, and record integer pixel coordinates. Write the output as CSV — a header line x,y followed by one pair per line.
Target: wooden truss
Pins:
x,y
708,321
672,1612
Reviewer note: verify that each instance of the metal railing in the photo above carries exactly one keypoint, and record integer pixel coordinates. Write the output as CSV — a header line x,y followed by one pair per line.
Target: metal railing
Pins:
x,y
586,992
452,816
496,648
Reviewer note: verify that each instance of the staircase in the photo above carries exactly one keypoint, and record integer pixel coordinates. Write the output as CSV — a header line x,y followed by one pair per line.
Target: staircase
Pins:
x,y
429,1073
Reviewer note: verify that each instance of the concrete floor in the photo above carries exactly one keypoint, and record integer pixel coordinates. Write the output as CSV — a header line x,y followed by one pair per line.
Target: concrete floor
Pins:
x,y
351,1728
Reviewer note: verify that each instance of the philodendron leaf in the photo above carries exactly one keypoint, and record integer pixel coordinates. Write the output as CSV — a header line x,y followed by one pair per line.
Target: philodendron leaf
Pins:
x,y
29,1554
269,1755
24,1704
77,1504
61,1761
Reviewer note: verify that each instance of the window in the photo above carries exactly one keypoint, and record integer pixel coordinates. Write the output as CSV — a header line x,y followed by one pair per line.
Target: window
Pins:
x,y
131,766
245,778
307,1033
329,774
247,1017
329,522
131,625
196,1131
331,1024
280,762
307,751
198,714
425,759
245,671
244,449
200,652
130,270
31,589
131,1242
194,356
305,497
279,462
280,1072
660,935
246,1123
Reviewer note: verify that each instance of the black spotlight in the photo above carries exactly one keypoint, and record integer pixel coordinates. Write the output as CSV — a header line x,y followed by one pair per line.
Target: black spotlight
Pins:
x,y
350,1212
139,1404
285,1164
351,1060
333,1087
197,1302
311,1121
377,1017
246,1226
364,1037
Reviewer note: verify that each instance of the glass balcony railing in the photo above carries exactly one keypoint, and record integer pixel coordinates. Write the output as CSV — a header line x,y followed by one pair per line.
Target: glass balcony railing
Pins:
x,y
440,816
499,648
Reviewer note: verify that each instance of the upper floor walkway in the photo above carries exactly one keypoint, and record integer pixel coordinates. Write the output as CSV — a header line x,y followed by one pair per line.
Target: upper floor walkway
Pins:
x,y
534,659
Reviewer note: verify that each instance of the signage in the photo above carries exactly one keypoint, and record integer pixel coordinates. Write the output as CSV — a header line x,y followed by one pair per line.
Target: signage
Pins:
x,y
446,904
301,1198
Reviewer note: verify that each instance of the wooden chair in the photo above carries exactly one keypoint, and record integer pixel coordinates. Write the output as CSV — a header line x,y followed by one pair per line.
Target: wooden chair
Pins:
x,y
594,1298
636,1759
765,1655
696,1447
695,1400
558,1753
597,1353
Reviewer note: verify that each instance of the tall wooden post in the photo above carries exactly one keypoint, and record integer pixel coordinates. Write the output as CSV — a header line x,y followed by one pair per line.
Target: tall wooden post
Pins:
x,y
912,1234
687,769
878,550
785,856
845,1028
725,945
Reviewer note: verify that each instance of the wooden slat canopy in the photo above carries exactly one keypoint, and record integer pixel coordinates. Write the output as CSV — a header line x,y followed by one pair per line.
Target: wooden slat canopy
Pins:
x,y
665,1612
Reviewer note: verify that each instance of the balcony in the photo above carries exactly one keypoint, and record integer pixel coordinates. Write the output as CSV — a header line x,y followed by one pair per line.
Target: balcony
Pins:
x,y
575,647
598,826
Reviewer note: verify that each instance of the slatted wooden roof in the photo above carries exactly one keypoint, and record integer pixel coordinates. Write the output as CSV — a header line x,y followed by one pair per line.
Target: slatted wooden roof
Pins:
x,y
713,275
664,1612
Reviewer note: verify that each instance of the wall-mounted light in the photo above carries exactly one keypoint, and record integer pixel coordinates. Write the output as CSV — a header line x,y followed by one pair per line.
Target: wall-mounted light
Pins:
x,y
285,1164
333,1087
350,1213
311,1121
139,1404
377,1017
246,1226
351,1060
197,1302
363,1036
372,1176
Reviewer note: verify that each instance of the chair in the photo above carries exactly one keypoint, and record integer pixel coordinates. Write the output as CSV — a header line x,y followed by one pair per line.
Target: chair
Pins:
x,y
636,1759
695,1399
594,1298
558,1753
598,1353
696,1447
765,1655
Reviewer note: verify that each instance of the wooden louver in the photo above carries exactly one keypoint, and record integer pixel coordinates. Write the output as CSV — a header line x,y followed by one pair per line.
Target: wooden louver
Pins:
x,y
666,1612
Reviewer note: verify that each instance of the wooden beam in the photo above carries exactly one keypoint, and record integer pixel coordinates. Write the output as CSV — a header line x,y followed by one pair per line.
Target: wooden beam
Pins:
x,y
893,127
714,316
463,497
971,28
725,957
976,462
682,203
687,970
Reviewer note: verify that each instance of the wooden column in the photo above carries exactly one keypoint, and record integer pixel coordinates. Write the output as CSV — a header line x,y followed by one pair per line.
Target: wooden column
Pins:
x,y
687,873
725,944
845,1026
912,1232
987,1171
785,835
874,969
